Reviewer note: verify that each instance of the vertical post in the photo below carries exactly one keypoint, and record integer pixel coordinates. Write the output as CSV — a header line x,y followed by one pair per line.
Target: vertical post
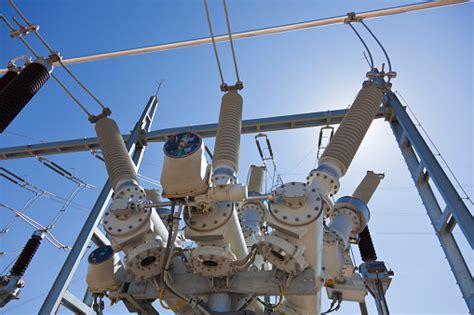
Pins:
x,y
410,141
136,147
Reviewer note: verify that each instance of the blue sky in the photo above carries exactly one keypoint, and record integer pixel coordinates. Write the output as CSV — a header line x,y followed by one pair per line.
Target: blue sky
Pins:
x,y
296,72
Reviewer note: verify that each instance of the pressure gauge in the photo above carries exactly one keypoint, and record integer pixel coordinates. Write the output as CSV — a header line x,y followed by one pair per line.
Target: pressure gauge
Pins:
x,y
182,145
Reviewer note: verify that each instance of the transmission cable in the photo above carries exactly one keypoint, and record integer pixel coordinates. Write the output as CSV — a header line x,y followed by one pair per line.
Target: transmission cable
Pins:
x,y
381,46
365,45
82,107
238,84
38,226
214,42
34,28
230,40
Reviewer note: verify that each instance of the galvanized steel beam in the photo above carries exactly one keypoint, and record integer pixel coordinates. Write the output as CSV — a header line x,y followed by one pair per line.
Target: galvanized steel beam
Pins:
x,y
424,170
207,130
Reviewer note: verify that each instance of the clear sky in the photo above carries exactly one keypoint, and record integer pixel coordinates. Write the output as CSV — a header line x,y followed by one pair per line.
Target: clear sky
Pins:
x,y
296,72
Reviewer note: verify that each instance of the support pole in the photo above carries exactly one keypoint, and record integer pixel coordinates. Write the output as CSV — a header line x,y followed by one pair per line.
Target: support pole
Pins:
x,y
136,147
424,167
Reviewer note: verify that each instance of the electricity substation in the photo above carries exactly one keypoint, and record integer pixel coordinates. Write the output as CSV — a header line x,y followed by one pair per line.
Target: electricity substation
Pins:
x,y
255,248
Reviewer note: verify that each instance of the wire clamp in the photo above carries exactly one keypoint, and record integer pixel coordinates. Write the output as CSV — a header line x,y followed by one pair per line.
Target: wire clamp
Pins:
x,y
105,112
352,17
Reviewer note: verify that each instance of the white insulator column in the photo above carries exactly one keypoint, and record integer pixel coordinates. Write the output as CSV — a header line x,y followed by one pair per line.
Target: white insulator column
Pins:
x,y
117,161
227,148
136,230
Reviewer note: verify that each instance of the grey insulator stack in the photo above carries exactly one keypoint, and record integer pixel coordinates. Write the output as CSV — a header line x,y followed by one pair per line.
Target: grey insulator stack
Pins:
x,y
256,181
226,150
348,137
367,187
117,160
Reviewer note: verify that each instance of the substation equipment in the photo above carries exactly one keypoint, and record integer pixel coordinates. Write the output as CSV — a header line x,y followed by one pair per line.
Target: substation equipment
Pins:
x,y
241,244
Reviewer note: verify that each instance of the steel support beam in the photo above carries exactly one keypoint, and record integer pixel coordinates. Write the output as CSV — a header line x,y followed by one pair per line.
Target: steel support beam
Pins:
x,y
434,171
423,170
256,283
136,147
71,302
207,130
263,31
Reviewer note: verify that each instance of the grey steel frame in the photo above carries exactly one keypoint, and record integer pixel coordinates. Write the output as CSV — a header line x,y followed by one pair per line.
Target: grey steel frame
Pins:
x,y
424,167
420,160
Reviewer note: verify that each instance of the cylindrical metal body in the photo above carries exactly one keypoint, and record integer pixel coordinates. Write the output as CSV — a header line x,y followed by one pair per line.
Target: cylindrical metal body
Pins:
x,y
313,241
15,96
220,302
367,187
256,181
235,237
227,147
117,161
26,255
348,137
7,78
342,224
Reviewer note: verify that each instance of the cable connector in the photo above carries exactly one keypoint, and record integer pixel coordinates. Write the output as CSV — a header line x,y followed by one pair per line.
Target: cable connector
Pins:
x,y
24,30
352,17
237,87
105,112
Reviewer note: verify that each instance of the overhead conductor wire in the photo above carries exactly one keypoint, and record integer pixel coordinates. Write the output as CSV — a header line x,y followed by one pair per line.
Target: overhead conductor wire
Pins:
x,y
43,41
223,83
213,42
381,46
365,45
82,107
230,40
38,226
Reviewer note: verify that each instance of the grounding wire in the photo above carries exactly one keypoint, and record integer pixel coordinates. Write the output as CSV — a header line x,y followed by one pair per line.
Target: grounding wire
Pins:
x,y
365,45
381,46
213,42
52,74
467,197
43,41
231,41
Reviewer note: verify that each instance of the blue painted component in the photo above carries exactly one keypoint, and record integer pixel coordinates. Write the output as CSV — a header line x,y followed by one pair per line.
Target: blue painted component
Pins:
x,y
100,254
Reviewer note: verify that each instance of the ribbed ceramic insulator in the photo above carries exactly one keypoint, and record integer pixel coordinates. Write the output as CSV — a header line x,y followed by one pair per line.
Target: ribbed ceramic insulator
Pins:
x,y
117,161
226,151
366,246
7,78
367,187
256,181
26,255
19,92
348,137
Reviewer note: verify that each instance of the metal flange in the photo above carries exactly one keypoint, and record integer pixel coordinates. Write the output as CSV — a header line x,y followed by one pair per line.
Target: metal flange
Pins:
x,y
282,254
296,204
214,216
212,261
